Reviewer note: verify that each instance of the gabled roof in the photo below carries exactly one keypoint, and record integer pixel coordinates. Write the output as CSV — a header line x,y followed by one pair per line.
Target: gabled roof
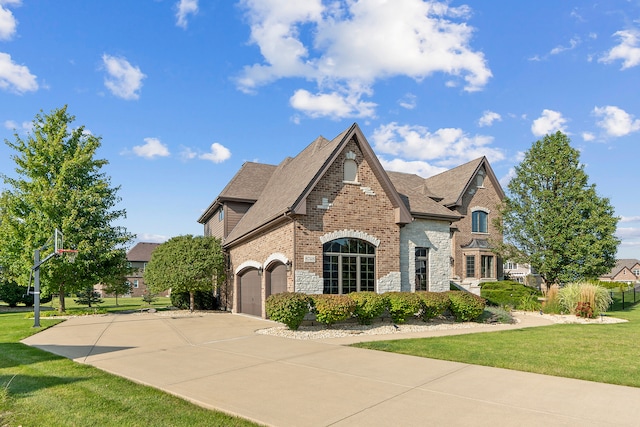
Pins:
x,y
621,264
141,252
246,185
452,184
294,178
420,201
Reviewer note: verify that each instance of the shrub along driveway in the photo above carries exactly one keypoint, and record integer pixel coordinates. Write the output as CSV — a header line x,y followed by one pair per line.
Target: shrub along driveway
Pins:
x,y
217,361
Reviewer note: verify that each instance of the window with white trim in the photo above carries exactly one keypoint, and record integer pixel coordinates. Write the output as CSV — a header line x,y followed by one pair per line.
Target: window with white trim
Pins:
x,y
471,266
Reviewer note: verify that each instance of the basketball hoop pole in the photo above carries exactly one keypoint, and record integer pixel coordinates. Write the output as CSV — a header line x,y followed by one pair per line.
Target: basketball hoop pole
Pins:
x,y
36,275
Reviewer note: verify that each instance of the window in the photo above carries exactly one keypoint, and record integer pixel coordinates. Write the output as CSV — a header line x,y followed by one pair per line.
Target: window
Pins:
x,y
636,272
135,283
486,268
422,269
479,222
348,266
144,266
480,180
471,266
221,214
510,265
350,170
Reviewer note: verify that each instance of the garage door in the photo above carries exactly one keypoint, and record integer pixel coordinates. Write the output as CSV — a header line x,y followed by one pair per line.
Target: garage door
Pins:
x,y
250,293
277,280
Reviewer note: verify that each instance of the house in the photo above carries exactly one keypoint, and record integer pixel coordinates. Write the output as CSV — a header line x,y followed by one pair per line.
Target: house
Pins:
x,y
332,220
137,258
522,273
472,191
625,270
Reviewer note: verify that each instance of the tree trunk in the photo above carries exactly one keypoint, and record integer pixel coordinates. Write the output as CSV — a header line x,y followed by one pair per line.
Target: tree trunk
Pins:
x,y
192,300
62,308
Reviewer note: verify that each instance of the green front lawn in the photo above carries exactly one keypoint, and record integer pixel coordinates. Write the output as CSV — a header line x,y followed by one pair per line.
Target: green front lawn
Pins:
x,y
607,353
38,388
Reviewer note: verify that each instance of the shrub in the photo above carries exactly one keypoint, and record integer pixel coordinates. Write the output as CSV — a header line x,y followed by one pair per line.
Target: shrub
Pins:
x,y
493,314
288,308
529,303
330,309
465,306
598,297
583,309
403,305
432,304
369,305
506,293
13,294
202,300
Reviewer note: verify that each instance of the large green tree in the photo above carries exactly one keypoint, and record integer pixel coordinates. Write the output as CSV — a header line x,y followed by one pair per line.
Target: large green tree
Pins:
x,y
59,184
186,264
553,219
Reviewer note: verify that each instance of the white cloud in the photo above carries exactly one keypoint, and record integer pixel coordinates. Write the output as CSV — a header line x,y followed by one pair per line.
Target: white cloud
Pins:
x,y
615,121
409,101
505,180
630,219
8,22
444,148
188,154
575,41
185,8
628,50
151,238
550,122
123,79
346,46
424,169
332,104
151,148
24,127
15,78
588,136
488,117
218,154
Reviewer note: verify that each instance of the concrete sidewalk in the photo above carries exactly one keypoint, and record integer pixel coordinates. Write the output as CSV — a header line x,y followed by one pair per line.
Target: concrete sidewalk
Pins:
x,y
217,361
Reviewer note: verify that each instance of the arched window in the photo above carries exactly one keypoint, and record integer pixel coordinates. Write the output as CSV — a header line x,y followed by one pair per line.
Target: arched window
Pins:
x,y
479,222
348,266
350,170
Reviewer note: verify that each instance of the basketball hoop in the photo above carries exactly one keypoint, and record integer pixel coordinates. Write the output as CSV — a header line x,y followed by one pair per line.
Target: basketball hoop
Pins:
x,y
71,254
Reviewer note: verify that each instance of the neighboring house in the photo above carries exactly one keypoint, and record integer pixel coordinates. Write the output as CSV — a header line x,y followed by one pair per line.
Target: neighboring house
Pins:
x,y
522,273
472,191
332,220
625,270
138,257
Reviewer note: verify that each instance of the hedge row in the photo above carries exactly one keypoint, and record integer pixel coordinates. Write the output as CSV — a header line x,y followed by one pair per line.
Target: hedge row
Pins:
x,y
290,308
507,293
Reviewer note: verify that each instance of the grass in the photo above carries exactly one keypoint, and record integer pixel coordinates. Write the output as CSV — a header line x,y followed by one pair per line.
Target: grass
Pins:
x,y
39,388
606,353
107,306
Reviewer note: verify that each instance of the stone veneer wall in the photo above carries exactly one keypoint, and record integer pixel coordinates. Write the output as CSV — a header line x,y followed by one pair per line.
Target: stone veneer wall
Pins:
x,y
428,234
347,208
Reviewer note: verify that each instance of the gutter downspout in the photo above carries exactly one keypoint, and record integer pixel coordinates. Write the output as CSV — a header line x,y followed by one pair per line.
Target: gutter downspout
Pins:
x,y
289,214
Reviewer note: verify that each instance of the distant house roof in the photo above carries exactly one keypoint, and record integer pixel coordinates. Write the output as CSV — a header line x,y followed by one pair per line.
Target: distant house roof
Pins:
x,y
621,264
451,185
141,252
294,178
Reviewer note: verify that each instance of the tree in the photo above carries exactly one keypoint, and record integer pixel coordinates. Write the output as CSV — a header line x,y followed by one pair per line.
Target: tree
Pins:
x,y
186,264
58,184
553,219
88,296
118,284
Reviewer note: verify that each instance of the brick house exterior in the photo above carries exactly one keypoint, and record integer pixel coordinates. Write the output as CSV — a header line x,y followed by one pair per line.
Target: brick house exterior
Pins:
x,y
137,258
473,191
625,270
330,220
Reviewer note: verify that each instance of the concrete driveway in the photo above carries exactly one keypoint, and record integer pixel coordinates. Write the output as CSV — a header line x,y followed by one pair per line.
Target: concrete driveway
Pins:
x,y
219,362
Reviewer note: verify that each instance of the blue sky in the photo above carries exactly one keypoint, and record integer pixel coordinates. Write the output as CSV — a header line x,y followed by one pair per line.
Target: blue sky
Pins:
x,y
183,92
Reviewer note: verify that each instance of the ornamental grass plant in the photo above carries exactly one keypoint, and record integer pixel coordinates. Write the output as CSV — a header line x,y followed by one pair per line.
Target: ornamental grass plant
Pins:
x,y
575,294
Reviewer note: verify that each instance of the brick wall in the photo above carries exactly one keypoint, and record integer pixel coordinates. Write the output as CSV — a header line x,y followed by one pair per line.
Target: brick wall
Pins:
x,y
361,207
485,197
